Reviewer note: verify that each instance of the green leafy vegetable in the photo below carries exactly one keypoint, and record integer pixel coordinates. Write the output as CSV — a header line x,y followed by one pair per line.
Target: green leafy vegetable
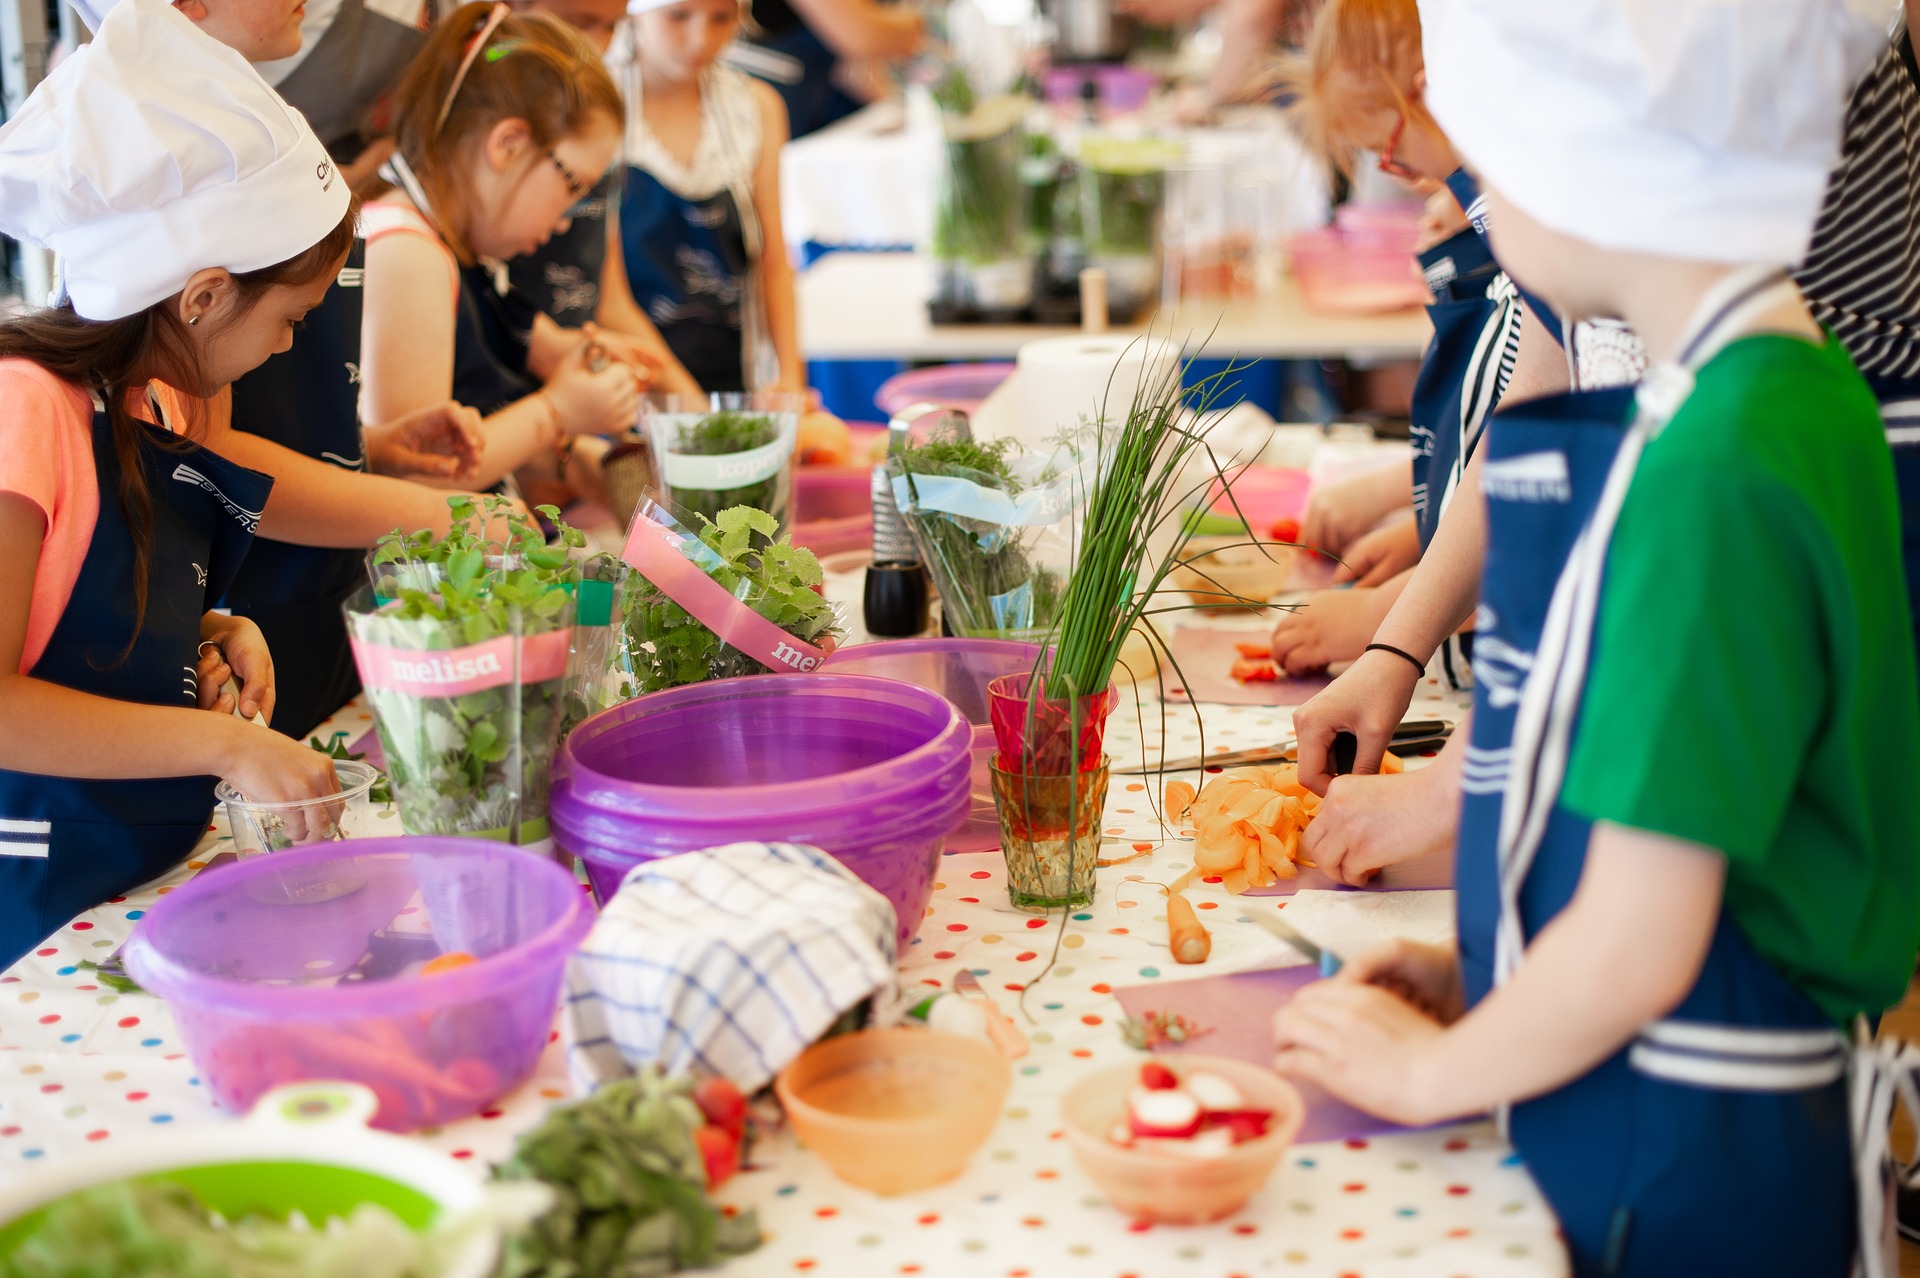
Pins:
x,y
665,647
718,434
381,791
130,1227
114,978
629,1186
478,762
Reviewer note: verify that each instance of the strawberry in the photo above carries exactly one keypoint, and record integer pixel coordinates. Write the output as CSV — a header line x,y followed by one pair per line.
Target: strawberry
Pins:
x,y
723,1105
720,1151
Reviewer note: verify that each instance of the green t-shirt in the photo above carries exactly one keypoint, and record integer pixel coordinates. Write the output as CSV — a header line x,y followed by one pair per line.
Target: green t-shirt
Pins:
x,y
1752,682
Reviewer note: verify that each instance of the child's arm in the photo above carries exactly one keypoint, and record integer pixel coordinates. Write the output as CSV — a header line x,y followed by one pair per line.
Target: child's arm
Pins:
x,y
776,271
1616,958
407,337
860,29
620,315
50,730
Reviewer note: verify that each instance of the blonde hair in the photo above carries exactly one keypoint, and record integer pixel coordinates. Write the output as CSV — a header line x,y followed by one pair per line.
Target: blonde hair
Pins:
x,y
1361,55
528,67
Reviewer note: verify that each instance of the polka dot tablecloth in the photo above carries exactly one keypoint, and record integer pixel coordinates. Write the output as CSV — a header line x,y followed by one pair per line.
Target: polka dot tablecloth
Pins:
x,y
81,1065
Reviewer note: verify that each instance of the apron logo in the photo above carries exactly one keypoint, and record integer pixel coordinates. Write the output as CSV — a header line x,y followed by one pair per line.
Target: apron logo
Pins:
x,y
247,519
352,277
1532,478
200,576
353,373
1500,667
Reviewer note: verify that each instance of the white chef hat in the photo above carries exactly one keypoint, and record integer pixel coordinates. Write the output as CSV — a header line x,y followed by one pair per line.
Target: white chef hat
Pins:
x,y
1703,129
154,152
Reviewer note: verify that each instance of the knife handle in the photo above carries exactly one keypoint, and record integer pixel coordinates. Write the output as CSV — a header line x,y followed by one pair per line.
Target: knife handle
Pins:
x,y
1345,747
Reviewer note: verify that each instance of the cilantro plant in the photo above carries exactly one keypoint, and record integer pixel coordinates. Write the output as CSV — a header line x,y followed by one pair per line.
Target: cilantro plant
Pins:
x,y
665,647
717,434
476,762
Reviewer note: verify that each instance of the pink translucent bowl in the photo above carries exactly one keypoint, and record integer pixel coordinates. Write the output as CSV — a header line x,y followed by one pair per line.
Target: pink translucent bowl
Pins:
x,y
961,386
832,508
1265,495
959,670
871,771
306,965
1342,276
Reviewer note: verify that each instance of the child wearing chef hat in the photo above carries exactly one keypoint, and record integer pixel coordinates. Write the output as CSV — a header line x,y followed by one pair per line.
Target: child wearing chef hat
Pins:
x,y
1689,848
197,220
504,121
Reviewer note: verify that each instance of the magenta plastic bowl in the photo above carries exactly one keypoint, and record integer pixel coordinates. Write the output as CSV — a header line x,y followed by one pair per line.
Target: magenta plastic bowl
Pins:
x,y
307,965
961,386
872,771
833,508
959,670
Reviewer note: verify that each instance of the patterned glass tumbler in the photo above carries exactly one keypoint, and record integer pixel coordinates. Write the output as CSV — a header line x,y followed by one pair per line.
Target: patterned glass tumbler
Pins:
x,y
1050,834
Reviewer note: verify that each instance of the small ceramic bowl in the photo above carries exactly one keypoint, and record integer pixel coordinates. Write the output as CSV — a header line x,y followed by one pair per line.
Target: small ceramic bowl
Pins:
x,y
1222,574
1167,1188
895,1110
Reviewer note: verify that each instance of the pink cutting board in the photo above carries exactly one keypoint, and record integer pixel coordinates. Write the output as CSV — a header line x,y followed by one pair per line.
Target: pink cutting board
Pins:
x,y
1205,658
1238,1010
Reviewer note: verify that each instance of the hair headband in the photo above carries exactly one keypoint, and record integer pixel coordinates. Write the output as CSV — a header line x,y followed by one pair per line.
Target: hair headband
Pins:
x,y
474,47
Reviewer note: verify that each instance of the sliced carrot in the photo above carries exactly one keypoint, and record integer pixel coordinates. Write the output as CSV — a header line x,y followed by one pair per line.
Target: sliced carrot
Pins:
x,y
1252,671
1179,799
1390,764
1255,651
452,960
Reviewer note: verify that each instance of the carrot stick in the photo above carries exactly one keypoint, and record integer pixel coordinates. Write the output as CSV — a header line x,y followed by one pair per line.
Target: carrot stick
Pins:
x,y
1188,940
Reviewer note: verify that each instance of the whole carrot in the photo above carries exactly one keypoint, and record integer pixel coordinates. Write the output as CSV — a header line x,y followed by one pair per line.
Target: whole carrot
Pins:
x,y
1187,939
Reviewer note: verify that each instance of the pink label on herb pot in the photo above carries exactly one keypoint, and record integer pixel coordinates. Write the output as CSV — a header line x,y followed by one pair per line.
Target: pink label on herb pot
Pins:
x,y
652,553
455,672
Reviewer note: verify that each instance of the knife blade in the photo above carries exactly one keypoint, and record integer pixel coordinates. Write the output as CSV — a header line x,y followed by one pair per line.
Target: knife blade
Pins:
x,y
1325,960
1420,734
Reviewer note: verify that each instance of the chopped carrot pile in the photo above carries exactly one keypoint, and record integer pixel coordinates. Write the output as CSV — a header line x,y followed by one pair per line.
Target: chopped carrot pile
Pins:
x,y
1262,670
1247,823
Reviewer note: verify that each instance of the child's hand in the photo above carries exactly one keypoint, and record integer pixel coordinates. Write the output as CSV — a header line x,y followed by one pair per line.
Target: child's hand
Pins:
x,y
1378,557
1370,822
270,768
1427,976
442,441
1368,701
1367,1046
1338,513
234,648
592,401
1329,626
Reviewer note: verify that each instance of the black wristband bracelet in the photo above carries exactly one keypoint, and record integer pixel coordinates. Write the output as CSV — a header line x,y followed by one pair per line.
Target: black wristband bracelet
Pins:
x,y
1402,653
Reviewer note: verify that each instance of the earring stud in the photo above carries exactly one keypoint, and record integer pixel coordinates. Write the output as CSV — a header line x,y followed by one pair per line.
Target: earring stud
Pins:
x,y
192,320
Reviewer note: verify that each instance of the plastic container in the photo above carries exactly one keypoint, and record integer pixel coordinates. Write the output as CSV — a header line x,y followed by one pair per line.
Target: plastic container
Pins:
x,y
725,449
303,1148
1392,225
871,771
895,1110
959,670
833,508
1339,276
273,827
1265,495
1169,1188
307,965
961,386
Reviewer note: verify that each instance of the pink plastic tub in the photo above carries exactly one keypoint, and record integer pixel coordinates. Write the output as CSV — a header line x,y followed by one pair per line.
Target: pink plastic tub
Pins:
x,y
959,670
308,965
961,386
1265,495
832,508
870,770
1344,277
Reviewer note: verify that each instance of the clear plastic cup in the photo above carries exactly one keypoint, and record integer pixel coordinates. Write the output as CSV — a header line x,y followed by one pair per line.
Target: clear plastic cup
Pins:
x,y
259,828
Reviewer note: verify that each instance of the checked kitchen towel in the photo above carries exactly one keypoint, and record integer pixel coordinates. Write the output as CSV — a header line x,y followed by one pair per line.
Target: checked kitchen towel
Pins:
x,y
730,960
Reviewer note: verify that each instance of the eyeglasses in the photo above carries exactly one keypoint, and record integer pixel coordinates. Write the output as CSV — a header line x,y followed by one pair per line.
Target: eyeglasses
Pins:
x,y
576,186
1388,165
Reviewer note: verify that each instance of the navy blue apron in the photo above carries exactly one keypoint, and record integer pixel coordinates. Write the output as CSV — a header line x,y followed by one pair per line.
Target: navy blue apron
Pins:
x,y
1476,331
1900,410
1466,190
799,66
492,331
687,263
307,398
1654,1160
66,845
562,276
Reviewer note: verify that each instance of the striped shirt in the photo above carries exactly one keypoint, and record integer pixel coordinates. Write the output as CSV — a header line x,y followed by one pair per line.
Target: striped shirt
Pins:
x,y
1862,273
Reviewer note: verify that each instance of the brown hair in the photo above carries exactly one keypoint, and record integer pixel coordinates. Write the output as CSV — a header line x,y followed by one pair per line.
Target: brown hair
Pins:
x,y
1360,55
114,359
533,68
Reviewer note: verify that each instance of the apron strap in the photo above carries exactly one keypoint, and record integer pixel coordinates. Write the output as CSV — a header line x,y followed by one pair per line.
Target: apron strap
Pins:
x,y
1882,1072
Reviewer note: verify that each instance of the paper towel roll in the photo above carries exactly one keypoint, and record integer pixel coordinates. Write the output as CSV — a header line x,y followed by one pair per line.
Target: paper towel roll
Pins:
x,y
1067,380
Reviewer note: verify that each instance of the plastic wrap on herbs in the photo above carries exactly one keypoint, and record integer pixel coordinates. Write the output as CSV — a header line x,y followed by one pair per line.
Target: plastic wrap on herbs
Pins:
x,y
997,527
980,231
599,670
714,452
714,599
462,645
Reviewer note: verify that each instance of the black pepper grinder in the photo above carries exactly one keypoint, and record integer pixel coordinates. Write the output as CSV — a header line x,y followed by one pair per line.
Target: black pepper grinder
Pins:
x,y
895,600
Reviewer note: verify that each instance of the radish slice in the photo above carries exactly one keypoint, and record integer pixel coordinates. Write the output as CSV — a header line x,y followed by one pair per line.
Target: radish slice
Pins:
x,y
1162,1113
1241,1124
1214,1092
1215,1143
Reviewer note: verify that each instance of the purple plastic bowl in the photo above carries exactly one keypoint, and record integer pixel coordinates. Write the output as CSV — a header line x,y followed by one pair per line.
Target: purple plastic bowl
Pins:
x,y
959,670
961,386
872,771
305,965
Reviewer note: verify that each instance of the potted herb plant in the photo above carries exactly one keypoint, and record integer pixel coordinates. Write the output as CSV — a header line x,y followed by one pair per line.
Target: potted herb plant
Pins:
x,y
1123,189
714,452
462,647
1049,768
712,599
980,228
